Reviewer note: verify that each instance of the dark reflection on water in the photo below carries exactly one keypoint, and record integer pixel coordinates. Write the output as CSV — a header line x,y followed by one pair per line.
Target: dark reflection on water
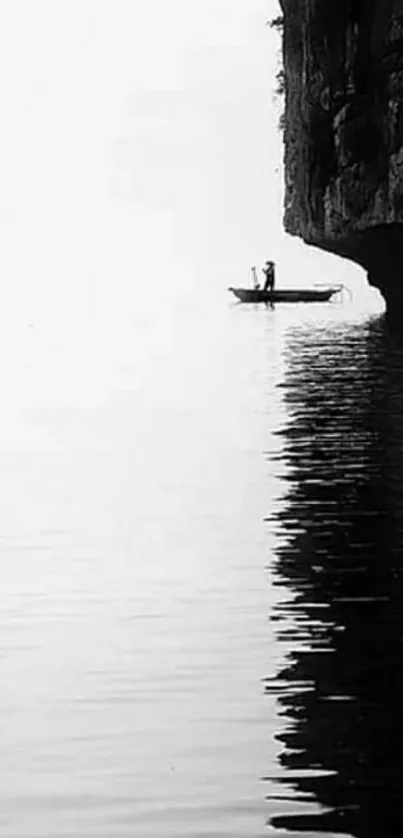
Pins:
x,y
340,563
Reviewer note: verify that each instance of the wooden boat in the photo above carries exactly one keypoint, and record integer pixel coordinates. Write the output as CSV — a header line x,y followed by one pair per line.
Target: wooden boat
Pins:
x,y
285,295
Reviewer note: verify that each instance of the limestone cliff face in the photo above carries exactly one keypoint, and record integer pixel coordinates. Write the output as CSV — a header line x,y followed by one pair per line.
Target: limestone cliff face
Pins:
x,y
343,63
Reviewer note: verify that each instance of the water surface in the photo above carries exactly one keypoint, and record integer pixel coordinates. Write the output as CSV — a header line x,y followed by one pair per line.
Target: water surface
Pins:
x,y
171,662
133,619
338,572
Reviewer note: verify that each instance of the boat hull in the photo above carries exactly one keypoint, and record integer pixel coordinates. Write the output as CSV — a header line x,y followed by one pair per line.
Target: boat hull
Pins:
x,y
284,295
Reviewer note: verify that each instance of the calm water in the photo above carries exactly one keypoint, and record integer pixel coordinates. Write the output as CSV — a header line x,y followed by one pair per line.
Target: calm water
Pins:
x,y
134,602
338,572
171,663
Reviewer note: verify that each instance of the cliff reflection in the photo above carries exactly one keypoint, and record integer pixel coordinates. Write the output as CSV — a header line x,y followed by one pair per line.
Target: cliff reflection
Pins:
x,y
340,694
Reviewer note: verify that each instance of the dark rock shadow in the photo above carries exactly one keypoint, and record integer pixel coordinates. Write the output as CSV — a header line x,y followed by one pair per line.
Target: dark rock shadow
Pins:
x,y
340,560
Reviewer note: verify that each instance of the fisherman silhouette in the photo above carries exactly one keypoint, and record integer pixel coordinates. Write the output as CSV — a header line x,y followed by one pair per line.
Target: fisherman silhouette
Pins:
x,y
268,271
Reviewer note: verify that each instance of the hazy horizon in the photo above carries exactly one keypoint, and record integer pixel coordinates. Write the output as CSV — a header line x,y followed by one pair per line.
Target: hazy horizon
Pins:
x,y
139,140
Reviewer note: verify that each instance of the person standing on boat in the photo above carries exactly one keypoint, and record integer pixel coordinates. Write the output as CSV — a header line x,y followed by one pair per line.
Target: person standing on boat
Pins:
x,y
268,271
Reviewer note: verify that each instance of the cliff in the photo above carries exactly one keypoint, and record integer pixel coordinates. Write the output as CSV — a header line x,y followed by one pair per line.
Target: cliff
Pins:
x,y
343,65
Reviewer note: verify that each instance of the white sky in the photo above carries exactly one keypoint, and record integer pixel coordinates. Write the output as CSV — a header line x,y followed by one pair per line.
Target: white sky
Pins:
x,y
139,164
139,141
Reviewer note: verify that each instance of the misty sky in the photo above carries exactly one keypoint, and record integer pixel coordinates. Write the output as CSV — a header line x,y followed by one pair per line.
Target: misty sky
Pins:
x,y
139,142
140,171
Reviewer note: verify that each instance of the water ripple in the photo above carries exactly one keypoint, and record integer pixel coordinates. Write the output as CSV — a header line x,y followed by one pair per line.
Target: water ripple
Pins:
x,y
339,563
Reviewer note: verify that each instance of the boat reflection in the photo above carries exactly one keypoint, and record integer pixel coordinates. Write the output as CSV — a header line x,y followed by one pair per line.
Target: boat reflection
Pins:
x,y
340,530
